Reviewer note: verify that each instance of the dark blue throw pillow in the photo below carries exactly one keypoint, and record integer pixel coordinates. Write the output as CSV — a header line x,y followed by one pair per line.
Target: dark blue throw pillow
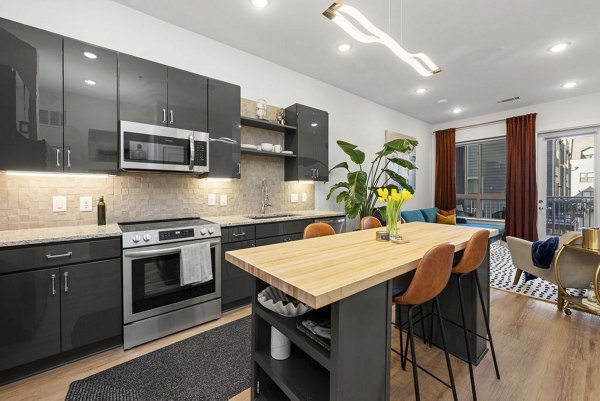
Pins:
x,y
542,252
410,216
430,215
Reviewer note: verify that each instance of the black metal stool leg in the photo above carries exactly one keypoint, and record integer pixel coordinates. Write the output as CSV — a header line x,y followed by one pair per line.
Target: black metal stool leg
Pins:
x,y
436,304
422,324
487,324
411,335
399,325
466,334
431,323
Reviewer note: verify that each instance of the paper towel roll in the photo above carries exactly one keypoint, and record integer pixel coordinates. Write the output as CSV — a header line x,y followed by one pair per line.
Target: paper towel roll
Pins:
x,y
281,347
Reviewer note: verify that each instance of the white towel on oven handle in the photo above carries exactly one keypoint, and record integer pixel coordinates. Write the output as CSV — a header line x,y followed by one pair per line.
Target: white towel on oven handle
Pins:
x,y
196,264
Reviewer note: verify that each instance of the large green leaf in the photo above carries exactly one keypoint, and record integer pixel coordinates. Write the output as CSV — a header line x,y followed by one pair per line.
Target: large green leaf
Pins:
x,y
341,196
397,145
357,156
400,180
337,186
402,163
357,192
340,165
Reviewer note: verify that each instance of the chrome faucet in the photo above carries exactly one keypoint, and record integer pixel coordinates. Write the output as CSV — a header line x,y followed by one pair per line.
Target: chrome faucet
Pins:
x,y
265,202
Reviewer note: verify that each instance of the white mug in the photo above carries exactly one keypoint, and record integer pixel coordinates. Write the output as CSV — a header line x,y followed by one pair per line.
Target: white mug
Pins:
x,y
277,148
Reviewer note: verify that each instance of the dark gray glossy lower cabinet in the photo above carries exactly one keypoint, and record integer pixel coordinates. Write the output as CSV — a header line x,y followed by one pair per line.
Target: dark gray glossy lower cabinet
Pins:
x,y
236,284
30,313
90,303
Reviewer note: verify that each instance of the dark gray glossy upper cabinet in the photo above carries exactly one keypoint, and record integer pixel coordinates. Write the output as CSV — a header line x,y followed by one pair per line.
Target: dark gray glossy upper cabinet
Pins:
x,y
31,99
90,104
142,90
153,93
187,100
224,123
310,143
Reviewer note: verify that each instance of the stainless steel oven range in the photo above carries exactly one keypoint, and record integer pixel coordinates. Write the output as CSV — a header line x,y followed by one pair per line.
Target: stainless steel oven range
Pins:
x,y
155,301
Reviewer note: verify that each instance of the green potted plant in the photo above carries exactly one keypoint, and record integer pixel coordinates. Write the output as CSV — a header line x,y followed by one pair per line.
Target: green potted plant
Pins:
x,y
359,192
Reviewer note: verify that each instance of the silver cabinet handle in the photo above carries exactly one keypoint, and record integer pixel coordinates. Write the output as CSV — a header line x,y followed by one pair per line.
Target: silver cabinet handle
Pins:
x,y
66,274
69,158
171,117
164,115
239,168
239,235
62,255
57,157
192,152
53,284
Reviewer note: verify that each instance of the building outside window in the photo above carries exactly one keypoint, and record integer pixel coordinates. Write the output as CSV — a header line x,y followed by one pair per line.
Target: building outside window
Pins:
x,y
481,179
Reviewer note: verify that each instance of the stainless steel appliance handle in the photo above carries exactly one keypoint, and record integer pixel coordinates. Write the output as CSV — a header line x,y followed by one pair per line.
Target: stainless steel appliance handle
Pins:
x,y
66,281
53,284
239,235
156,252
62,255
192,152
171,116
69,158
239,168
164,115
57,157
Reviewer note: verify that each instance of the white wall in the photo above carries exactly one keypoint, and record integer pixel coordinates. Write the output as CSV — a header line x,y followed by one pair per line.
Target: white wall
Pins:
x,y
352,118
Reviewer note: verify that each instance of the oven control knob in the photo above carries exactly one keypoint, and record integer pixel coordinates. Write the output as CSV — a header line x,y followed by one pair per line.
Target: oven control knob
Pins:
x,y
136,238
211,230
203,231
147,237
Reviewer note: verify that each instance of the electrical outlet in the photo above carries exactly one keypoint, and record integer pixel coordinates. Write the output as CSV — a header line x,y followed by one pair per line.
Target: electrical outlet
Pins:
x,y
223,200
212,199
304,196
294,198
59,203
85,204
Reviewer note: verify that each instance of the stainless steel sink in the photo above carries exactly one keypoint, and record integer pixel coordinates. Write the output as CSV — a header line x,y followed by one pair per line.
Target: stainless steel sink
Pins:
x,y
269,216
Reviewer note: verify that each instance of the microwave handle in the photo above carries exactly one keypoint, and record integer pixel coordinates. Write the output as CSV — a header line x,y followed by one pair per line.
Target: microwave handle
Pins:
x,y
157,252
192,152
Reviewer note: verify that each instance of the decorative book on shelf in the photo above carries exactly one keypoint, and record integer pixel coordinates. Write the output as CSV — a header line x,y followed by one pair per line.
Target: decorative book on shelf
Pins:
x,y
322,341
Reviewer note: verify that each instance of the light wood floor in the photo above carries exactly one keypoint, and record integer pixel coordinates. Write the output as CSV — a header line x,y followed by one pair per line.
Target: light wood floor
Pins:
x,y
543,355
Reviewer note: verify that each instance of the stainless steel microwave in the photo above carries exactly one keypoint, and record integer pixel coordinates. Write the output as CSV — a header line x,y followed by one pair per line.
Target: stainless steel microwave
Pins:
x,y
157,148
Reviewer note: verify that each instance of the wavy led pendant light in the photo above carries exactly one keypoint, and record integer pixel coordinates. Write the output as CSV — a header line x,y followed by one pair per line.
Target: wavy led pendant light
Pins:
x,y
337,12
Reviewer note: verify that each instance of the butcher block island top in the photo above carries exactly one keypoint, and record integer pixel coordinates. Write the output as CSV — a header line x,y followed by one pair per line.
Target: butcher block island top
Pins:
x,y
324,270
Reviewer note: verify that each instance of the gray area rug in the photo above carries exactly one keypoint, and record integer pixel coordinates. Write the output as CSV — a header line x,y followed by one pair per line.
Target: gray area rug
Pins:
x,y
214,365
502,273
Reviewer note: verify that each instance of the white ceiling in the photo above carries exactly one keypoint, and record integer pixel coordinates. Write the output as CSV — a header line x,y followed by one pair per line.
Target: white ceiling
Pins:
x,y
488,49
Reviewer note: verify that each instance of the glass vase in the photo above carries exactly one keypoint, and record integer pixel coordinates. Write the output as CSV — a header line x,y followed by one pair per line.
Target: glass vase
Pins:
x,y
392,224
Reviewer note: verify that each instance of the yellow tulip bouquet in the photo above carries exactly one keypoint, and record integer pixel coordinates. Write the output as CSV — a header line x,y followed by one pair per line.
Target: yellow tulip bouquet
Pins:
x,y
393,203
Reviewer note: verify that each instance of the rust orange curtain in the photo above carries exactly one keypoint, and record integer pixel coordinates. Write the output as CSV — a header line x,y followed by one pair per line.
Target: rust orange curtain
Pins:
x,y
445,169
521,184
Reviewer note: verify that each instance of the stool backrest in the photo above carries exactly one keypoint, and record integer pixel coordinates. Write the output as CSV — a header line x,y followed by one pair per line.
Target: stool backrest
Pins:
x,y
369,222
318,230
474,253
431,276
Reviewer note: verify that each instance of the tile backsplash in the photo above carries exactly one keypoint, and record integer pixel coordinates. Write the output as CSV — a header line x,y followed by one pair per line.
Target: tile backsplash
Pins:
x,y
26,201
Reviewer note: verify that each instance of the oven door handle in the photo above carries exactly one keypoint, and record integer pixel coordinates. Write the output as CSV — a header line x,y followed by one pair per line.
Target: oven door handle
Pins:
x,y
157,252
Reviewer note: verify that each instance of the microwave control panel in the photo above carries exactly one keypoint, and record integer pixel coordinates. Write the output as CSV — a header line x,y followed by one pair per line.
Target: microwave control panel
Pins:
x,y
200,154
176,234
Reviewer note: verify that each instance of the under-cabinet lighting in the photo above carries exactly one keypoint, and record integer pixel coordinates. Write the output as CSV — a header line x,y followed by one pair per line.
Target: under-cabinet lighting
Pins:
x,y
306,182
59,175
218,179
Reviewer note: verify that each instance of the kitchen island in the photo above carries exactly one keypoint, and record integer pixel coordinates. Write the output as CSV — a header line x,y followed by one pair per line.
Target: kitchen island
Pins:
x,y
348,278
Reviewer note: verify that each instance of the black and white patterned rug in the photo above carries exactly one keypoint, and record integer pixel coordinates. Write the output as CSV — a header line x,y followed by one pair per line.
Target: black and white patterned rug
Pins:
x,y
502,273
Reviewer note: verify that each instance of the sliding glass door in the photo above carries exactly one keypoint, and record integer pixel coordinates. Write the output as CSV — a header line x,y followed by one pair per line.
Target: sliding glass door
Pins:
x,y
567,166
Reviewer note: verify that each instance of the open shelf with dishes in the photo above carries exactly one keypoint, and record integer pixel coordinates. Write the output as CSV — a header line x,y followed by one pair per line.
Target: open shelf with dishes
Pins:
x,y
265,124
265,153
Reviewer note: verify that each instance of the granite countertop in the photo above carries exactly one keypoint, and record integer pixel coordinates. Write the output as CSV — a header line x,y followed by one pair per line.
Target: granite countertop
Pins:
x,y
226,221
56,234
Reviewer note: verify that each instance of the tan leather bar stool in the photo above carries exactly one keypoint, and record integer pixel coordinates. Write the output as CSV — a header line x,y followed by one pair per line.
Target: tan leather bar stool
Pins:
x,y
472,257
430,279
317,230
369,222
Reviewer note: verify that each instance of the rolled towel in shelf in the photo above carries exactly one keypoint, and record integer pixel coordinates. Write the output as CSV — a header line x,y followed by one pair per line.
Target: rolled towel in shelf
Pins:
x,y
196,264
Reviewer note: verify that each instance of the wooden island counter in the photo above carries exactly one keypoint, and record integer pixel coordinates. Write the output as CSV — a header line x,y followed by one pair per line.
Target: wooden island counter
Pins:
x,y
349,278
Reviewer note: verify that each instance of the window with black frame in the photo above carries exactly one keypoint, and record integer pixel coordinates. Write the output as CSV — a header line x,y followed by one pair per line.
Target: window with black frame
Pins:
x,y
481,179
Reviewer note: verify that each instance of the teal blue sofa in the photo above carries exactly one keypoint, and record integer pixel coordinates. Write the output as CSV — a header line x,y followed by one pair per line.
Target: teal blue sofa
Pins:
x,y
430,216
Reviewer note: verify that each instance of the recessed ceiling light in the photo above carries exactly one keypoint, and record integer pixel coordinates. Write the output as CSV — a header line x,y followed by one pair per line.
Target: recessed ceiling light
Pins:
x,y
344,47
90,82
90,55
456,110
559,47
421,91
260,3
569,85
442,101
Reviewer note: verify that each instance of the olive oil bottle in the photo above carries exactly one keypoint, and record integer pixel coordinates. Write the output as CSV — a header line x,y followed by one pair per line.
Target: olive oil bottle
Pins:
x,y
101,212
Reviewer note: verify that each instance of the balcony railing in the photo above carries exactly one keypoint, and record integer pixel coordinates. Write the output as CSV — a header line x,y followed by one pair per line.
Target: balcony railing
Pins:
x,y
568,213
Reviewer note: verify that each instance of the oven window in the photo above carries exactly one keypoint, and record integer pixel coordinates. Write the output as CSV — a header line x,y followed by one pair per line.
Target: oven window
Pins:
x,y
155,282
143,148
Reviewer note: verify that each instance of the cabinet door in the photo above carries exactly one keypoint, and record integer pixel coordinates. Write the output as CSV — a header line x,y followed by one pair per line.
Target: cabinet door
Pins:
x,y
224,122
142,91
30,311
320,139
91,307
31,101
306,129
188,100
271,240
91,140
236,284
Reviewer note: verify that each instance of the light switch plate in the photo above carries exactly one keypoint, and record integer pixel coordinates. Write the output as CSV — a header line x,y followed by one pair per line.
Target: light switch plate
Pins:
x,y
223,200
85,204
59,203
304,196
212,199
294,198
